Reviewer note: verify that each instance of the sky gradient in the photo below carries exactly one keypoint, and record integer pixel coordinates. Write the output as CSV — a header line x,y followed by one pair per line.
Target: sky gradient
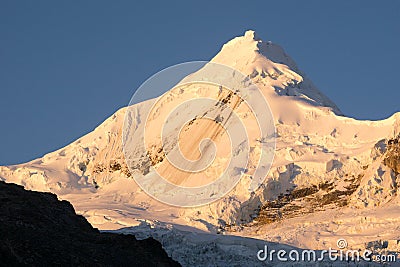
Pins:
x,y
67,66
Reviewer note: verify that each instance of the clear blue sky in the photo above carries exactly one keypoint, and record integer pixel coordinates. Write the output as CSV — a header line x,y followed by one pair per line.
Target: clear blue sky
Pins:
x,y
65,66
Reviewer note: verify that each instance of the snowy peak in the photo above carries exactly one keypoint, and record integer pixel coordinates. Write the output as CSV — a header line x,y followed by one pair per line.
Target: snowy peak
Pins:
x,y
251,35
243,53
268,64
252,48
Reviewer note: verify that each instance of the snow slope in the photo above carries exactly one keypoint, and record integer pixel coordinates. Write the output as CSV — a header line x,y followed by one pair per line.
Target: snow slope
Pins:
x,y
315,146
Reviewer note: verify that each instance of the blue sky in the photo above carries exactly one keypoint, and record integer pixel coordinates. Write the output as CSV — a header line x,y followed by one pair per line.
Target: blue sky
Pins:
x,y
65,66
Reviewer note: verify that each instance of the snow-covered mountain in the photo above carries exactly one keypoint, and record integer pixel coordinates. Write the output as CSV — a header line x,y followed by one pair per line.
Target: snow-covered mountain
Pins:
x,y
332,176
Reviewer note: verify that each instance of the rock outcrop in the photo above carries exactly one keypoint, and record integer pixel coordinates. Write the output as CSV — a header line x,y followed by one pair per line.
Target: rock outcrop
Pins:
x,y
392,158
37,229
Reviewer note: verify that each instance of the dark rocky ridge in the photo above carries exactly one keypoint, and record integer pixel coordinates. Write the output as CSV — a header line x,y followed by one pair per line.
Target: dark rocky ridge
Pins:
x,y
37,229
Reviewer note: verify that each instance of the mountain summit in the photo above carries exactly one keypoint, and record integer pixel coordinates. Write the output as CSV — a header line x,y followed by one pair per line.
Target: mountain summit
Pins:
x,y
268,63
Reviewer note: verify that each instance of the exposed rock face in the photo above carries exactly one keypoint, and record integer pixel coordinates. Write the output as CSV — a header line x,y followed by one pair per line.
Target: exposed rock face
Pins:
x,y
301,201
392,158
38,229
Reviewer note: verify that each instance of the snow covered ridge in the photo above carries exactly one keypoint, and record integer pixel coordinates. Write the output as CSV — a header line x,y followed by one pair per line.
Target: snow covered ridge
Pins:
x,y
332,176
196,141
